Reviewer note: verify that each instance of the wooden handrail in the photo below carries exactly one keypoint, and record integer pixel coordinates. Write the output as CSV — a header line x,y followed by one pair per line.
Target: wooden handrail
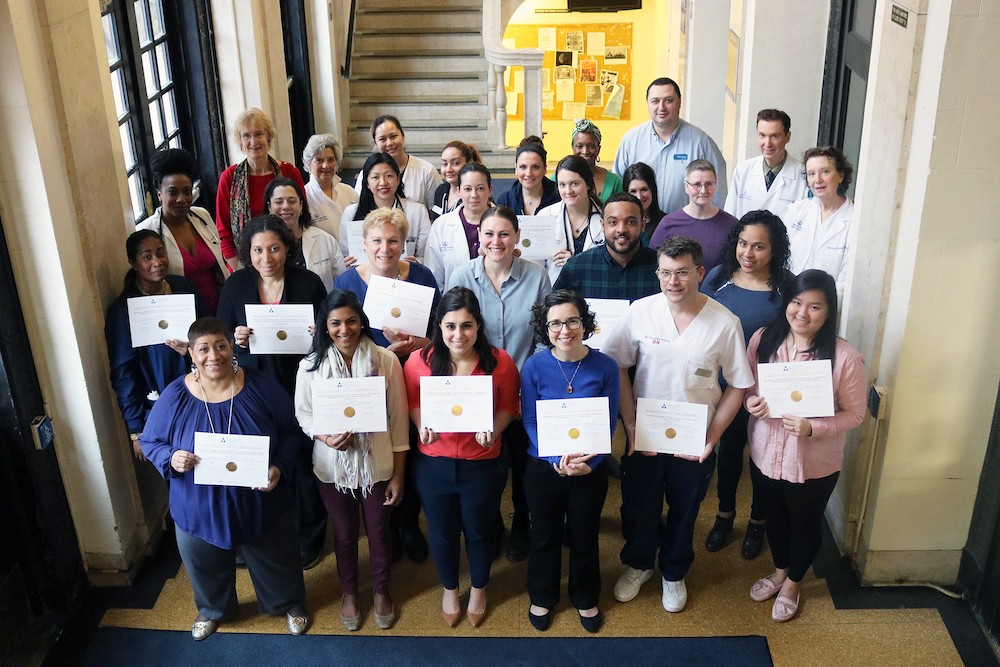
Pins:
x,y
345,71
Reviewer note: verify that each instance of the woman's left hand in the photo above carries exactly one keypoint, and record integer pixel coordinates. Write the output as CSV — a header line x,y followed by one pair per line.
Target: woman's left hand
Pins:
x,y
394,491
273,475
485,438
573,465
177,345
560,257
401,343
312,329
799,426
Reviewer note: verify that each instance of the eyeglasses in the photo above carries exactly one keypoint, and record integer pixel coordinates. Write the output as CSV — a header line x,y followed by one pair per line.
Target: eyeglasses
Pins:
x,y
682,274
701,186
573,323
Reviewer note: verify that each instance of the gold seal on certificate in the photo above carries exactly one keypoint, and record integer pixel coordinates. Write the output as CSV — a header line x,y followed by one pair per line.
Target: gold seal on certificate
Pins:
x,y
231,466
526,243
457,410
796,395
671,433
153,320
349,412
282,334
395,312
574,433
163,324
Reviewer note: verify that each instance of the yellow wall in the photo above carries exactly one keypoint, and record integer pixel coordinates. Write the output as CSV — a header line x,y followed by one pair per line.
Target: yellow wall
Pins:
x,y
648,59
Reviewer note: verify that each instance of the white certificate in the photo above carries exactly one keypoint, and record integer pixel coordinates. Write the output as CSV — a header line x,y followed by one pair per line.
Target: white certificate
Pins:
x,y
573,425
457,404
351,230
280,328
232,459
609,313
799,388
349,404
538,236
398,304
670,427
154,319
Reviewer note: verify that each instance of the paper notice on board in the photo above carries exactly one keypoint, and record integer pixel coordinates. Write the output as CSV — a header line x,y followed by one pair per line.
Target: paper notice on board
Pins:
x,y
565,59
616,55
613,109
608,80
548,101
574,40
564,73
547,39
595,96
574,110
565,91
506,77
519,80
588,71
509,43
595,44
546,80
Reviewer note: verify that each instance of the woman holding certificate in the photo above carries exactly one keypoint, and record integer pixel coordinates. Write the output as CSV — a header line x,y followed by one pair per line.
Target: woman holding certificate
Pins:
x,y
140,374
381,187
565,491
459,473
314,249
748,281
356,470
578,215
273,340
796,460
185,438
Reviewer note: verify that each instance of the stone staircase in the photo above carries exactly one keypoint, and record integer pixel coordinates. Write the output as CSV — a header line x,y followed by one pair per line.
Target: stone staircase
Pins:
x,y
423,62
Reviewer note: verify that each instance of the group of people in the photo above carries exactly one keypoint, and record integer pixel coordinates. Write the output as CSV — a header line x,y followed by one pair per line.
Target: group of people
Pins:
x,y
704,275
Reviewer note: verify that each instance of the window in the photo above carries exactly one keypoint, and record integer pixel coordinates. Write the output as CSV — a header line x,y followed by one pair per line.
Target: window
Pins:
x,y
135,35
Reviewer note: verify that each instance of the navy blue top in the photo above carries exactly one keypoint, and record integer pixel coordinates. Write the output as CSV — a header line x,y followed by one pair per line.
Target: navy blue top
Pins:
x,y
542,379
514,197
419,275
225,516
135,372
755,309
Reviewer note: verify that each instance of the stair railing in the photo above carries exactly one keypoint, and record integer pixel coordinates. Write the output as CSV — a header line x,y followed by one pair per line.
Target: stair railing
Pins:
x,y
345,71
499,58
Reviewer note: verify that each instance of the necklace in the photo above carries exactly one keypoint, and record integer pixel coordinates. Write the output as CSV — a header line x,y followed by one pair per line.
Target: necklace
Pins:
x,y
267,293
232,395
569,380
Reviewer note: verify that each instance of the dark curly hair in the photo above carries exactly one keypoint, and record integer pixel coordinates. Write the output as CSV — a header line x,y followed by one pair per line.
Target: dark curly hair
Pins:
x,y
840,163
436,353
264,223
781,252
305,218
540,314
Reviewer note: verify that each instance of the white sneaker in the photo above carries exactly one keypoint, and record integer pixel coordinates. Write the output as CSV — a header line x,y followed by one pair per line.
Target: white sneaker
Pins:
x,y
628,585
675,595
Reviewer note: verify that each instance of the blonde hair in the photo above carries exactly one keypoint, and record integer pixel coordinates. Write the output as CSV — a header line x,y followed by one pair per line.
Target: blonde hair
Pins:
x,y
253,117
381,217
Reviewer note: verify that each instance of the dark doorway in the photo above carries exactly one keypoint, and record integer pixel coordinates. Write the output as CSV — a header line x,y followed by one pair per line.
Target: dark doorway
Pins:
x,y
41,573
300,99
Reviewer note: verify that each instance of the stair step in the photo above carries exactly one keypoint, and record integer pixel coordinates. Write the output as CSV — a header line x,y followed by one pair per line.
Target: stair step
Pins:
x,y
420,19
396,66
425,6
390,43
454,76
417,89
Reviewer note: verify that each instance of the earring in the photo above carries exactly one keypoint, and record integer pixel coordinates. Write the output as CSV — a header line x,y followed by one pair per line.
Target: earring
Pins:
x,y
194,371
236,366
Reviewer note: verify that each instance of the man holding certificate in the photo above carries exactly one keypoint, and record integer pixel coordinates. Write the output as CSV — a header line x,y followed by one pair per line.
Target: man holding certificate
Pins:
x,y
678,341
565,480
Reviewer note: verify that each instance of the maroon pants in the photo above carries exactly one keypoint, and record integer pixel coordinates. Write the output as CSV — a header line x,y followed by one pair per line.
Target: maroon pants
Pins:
x,y
343,510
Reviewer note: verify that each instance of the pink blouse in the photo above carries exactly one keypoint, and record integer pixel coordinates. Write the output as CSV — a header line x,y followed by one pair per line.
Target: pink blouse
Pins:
x,y
780,455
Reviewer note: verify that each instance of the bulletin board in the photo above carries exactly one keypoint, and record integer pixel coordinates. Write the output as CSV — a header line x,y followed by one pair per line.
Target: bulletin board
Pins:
x,y
586,70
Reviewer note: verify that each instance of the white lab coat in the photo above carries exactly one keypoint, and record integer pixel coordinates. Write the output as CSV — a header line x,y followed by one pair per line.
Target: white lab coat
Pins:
x,y
747,191
564,239
447,247
202,222
322,254
820,245
416,236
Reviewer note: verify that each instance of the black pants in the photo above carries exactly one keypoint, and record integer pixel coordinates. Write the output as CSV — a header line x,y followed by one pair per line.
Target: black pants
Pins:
x,y
310,512
794,519
515,453
576,502
406,515
730,467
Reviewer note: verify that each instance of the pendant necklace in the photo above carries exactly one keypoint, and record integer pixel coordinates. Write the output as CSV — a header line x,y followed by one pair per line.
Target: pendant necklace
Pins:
x,y
569,381
232,395
267,293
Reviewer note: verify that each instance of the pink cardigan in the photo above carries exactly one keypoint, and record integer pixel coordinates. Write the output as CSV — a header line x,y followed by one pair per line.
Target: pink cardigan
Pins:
x,y
780,455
